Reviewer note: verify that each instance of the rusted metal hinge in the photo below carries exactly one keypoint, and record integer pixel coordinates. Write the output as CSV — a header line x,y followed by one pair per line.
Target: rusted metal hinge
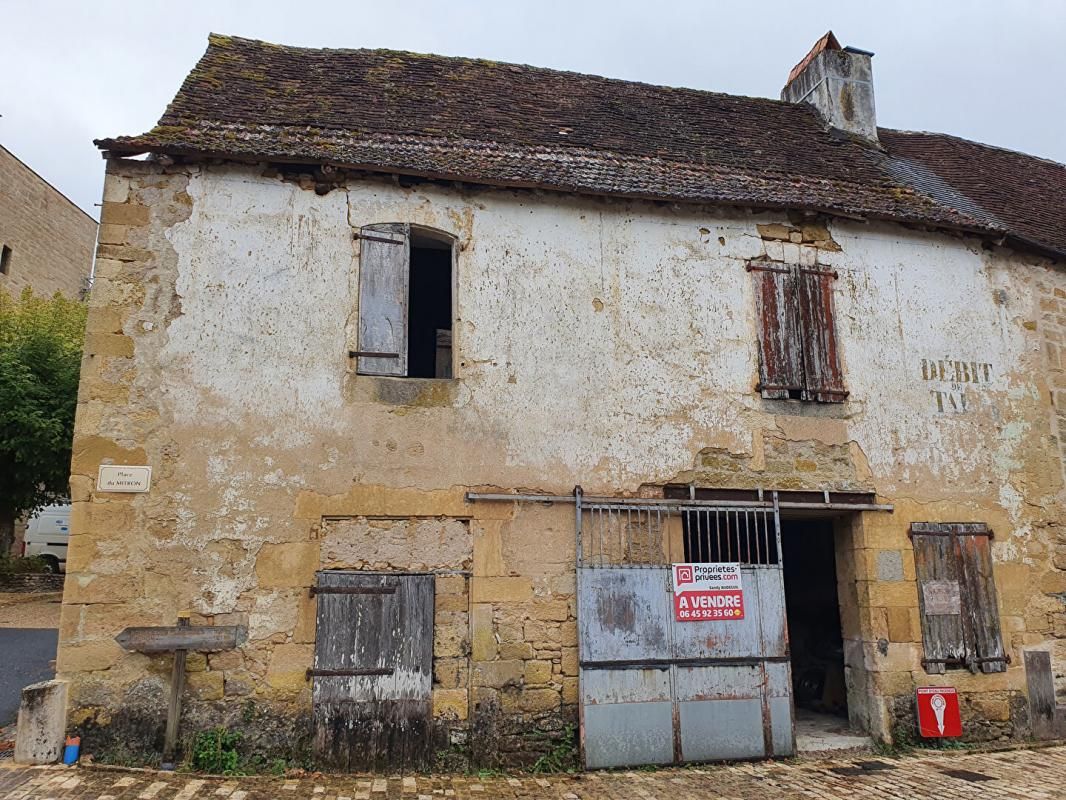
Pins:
x,y
966,662
830,273
975,529
382,239
346,673
370,354
351,590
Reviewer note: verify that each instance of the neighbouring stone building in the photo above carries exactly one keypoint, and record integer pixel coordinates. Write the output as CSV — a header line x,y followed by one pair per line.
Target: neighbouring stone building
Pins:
x,y
46,242
371,316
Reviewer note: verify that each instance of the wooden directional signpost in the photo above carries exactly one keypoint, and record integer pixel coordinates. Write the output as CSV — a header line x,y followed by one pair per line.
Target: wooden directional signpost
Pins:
x,y
179,639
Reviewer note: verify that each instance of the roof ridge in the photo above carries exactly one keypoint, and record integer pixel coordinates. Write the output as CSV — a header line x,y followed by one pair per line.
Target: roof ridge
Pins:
x,y
473,60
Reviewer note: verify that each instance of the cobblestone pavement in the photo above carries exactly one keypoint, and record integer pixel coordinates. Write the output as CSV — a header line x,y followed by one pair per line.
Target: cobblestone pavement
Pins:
x,y
1031,774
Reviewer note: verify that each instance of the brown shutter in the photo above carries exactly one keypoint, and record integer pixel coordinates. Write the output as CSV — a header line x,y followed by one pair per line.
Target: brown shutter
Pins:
x,y
957,596
979,604
384,277
938,586
777,308
821,362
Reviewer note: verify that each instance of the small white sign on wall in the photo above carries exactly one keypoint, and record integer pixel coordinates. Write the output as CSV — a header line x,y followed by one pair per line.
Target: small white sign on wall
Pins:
x,y
121,478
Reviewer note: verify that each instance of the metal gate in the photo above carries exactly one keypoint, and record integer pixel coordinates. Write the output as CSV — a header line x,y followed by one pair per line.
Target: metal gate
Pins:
x,y
658,691
371,697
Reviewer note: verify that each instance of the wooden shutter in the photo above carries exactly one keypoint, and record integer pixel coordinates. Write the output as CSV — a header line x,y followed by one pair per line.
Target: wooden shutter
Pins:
x,y
780,342
384,279
373,672
939,600
821,363
979,606
957,597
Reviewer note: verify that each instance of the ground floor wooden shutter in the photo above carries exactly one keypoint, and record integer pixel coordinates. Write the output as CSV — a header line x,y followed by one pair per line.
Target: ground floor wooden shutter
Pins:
x,y
371,693
957,597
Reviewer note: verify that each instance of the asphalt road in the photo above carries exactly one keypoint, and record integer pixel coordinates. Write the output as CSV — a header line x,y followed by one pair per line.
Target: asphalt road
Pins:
x,y
24,657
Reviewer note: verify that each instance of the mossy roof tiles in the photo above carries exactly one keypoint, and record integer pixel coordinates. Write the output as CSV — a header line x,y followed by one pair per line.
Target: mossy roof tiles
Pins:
x,y
511,125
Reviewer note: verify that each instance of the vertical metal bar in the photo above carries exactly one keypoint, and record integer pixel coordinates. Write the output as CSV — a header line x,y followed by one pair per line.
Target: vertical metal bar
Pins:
x,y
717,535
747,535
599,536
702,533
777,528
758,549
627,554
577,523
578,492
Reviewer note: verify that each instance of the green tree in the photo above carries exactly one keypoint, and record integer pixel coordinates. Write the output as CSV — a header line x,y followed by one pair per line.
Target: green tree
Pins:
x,y
40,363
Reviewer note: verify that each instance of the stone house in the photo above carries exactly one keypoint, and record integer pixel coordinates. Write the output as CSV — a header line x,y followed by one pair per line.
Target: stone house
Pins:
x,y
439,364
46,242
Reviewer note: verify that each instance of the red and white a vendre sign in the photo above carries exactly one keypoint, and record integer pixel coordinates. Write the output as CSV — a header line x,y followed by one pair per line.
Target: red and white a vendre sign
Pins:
x,y
707,592
938,712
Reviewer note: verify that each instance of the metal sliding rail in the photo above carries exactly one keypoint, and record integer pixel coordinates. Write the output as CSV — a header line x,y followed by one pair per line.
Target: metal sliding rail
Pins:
x,y
645,501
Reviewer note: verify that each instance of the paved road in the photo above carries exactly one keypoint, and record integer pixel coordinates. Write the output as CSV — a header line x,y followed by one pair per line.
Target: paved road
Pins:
x,y
1038,774
24,657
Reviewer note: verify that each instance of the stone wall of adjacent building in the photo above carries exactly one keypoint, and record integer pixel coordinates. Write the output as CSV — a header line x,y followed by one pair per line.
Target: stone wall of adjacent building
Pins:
x,y
607,344
51,239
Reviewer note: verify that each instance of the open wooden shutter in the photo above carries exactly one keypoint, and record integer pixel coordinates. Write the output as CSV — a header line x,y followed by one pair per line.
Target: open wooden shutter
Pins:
x,y
780,343
979,606
821,363
957,597
384,278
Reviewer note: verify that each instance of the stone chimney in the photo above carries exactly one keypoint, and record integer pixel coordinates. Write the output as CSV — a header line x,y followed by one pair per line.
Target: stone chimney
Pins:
x,y
838,81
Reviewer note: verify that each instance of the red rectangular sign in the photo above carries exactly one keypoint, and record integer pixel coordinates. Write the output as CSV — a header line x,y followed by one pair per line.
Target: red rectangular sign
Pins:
x,y
938,712
705,592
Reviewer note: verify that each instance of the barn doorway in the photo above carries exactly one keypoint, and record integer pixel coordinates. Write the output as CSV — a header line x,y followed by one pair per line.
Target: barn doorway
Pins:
x,y
814,588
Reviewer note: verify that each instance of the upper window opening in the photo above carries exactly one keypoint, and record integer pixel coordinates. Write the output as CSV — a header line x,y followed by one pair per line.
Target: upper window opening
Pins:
x,y
405,302
797,334
5,260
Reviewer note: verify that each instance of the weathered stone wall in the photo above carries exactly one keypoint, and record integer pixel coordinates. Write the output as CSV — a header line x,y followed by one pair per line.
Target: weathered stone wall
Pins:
x,y
51,239
603,343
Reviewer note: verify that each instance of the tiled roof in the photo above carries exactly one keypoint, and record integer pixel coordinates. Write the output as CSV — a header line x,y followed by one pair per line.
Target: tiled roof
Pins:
x,y
504,124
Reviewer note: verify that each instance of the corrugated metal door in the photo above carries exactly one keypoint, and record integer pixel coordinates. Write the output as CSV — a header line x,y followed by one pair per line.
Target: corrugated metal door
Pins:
x,y
658,691
373,672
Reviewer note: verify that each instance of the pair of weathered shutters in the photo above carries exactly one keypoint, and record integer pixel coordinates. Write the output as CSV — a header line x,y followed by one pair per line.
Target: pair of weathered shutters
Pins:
x,y
797,335
384,297
957,597
373,672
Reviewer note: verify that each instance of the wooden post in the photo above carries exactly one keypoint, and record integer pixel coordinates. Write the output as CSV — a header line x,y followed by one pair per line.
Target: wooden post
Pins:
x,y
177,686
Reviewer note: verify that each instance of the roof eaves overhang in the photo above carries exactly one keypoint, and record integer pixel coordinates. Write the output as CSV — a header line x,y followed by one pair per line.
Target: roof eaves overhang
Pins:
x,y
122,149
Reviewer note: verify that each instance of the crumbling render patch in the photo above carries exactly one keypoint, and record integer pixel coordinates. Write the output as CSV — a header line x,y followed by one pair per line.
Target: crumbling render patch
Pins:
x,y
384,543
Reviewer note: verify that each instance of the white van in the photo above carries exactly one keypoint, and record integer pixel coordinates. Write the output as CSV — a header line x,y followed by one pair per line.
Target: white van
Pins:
x,y
46,536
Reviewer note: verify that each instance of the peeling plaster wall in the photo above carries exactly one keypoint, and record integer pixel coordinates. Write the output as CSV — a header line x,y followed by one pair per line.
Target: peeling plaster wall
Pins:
x,y
610,344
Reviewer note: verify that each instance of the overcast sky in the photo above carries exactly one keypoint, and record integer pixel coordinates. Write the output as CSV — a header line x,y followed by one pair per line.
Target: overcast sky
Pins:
x,y
990,71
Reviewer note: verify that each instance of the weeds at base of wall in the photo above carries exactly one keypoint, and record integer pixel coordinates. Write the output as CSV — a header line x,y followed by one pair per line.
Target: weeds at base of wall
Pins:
x,y
218,752
563,755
